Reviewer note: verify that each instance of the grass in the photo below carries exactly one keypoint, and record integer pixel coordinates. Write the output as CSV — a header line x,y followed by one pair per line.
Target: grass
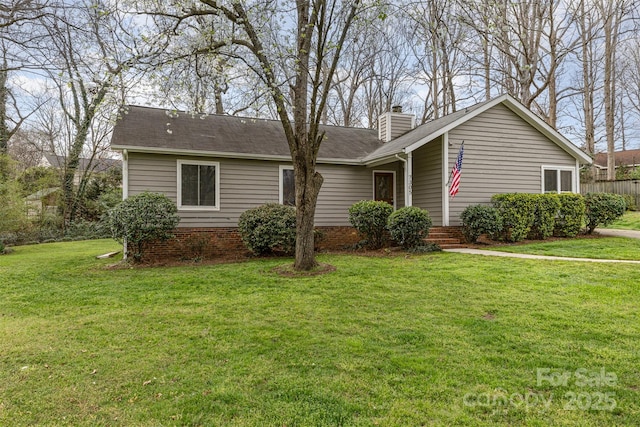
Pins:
x,y
599,248
630,221
380,341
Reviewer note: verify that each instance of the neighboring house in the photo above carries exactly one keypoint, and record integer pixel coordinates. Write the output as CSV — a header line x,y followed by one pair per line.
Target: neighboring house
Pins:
x,y
42,201
94,166
629,159
215,167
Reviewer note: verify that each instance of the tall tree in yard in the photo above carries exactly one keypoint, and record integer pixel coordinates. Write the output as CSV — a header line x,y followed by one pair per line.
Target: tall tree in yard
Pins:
x,y
295,49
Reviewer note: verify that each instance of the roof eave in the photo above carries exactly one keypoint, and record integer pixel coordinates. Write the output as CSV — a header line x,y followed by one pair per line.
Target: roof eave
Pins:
x,y
228,155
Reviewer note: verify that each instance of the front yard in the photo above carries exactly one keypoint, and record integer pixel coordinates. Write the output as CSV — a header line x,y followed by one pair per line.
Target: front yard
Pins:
x,y
438,339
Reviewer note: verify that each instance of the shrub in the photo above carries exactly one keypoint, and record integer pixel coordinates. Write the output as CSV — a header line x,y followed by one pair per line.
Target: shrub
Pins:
x,y
518,213
546,208
370,217
630,201
87,229
409,225
268,228
570,215
141,219
603,209
1,247
480,219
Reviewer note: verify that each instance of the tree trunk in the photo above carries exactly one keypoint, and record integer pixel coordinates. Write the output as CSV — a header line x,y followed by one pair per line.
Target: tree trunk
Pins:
x,y
4,128
308,183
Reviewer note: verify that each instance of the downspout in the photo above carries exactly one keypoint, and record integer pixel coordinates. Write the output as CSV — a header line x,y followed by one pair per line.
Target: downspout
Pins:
x,y
407,167
577,176
125,174
125,192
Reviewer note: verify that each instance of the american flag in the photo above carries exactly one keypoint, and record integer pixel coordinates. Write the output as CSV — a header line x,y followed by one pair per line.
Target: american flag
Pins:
x,y
455,173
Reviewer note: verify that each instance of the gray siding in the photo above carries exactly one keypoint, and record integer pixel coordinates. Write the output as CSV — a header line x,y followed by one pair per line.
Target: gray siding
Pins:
x,y
502,154
398,122
427,179
249,183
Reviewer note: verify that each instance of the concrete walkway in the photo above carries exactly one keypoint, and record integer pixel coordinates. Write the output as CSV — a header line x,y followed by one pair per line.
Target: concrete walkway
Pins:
x,y
612,233
618,233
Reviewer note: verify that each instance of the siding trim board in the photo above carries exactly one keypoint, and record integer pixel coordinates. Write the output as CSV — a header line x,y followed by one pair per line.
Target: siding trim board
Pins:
x,y
445,183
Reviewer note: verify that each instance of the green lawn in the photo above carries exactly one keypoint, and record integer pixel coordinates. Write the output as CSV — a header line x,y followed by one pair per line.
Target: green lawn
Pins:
x,y
439,339
600,248
630,221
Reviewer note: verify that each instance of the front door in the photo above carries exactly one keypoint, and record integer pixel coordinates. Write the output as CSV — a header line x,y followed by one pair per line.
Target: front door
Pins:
x,y
384,187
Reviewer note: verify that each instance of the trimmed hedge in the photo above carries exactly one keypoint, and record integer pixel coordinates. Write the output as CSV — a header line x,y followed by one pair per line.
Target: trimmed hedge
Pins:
x,y
370,217
570,215
546,209
603,209
480,219
268,228
141,219
409,225
518,214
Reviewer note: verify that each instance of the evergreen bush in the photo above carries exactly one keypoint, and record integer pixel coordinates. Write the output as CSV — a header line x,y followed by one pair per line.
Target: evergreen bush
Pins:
x,y
518,213
480,219
269,228
601,209
142,219
369,218
409,225
570,215
546,209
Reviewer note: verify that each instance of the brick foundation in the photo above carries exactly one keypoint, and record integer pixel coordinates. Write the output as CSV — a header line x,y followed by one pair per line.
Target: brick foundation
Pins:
x,y
209,243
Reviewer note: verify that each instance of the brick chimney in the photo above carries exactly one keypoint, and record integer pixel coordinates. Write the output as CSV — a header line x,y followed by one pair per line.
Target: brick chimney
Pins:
x,y
394,123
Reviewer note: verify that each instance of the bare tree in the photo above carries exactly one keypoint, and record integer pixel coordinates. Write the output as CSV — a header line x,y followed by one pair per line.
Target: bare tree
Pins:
x,y
295,52
86,51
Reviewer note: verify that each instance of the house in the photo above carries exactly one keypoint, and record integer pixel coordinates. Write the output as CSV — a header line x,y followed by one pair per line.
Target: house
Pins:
x,y
42,202
215,167
96,165
625,159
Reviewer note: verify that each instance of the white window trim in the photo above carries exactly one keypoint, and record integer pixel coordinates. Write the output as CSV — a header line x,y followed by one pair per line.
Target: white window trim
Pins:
x,y
179,192
281,182
373,185
558,169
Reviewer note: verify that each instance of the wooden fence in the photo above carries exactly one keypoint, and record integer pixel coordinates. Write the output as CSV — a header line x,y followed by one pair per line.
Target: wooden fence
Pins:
x,y
625,188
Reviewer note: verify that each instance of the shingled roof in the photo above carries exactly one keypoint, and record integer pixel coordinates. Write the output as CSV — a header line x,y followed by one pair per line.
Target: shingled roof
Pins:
x,y
623,158
152,130
155,130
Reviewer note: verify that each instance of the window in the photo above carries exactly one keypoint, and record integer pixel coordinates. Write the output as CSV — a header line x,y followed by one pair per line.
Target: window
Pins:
x,y
287,186
198,185
557,179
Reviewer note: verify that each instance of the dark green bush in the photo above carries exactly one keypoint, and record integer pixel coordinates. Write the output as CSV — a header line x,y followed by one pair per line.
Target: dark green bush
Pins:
x,y
546,209
141,219
1,247
480,219
370,217
518,213
409,225
603,209
570,215
269,228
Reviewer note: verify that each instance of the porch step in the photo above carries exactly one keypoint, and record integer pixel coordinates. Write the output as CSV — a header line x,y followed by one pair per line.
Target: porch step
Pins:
x,y
446,237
